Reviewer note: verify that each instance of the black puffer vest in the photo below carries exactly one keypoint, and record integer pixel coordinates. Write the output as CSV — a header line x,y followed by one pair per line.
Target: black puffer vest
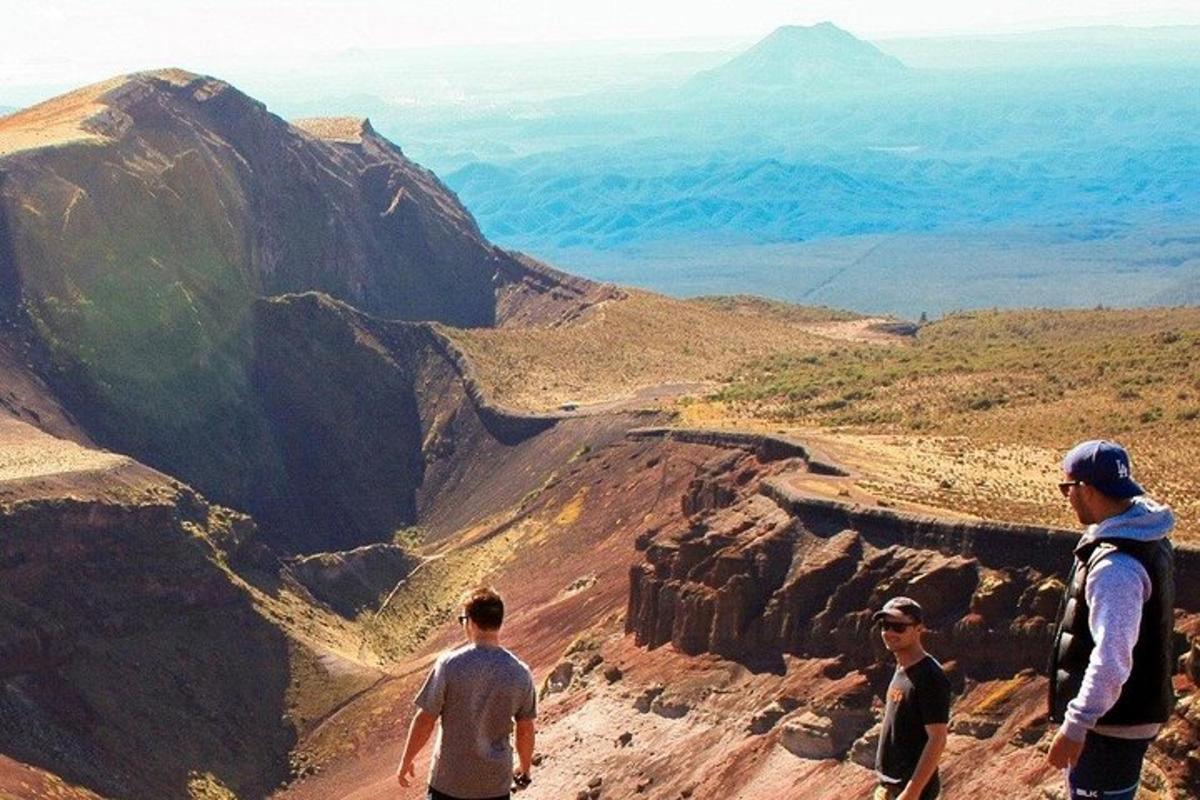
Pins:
x,y
1147,695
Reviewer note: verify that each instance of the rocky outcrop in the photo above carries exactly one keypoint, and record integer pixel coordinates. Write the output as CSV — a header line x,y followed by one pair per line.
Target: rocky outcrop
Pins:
x,y
353,580
752,576
131,659
141,218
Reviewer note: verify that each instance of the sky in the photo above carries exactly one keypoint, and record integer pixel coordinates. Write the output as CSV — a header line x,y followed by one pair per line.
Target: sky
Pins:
x,y
70,42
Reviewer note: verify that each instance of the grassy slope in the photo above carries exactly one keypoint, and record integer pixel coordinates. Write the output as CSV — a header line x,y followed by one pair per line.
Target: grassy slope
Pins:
x,y
988,395
625,345
971,415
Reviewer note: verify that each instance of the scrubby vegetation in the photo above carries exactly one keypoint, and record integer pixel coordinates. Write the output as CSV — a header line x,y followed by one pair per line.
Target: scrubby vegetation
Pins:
x,y
982,372
1004,380
644,340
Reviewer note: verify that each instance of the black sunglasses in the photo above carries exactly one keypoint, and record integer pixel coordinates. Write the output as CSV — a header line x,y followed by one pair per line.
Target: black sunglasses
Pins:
x,y
1065,487
462,618
895,627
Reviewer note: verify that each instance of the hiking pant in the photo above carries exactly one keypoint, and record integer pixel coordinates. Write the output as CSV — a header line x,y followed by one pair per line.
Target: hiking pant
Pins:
x,y
1108,768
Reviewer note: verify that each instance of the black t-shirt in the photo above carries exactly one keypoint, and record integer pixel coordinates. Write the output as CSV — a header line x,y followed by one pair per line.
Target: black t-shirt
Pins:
x,y
917,696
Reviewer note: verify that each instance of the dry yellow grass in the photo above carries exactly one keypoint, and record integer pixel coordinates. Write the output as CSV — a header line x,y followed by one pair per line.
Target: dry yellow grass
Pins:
x,y
62,120
339,129
628,345
978,409
971,416
27,453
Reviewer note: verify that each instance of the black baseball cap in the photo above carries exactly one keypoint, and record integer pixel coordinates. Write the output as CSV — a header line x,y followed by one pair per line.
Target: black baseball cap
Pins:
x,y
898,608
1104,465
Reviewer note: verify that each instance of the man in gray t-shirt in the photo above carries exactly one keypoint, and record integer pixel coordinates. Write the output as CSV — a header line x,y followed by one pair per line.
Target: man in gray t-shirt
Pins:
x,y
481,693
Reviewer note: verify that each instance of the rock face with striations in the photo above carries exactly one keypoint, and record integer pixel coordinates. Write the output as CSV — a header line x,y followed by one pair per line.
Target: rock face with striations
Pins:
x,y
142,217
751,580
756,574
759,574
131,658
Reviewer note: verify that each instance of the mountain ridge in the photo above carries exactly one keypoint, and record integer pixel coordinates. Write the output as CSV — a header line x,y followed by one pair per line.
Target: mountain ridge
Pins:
x,y
142,216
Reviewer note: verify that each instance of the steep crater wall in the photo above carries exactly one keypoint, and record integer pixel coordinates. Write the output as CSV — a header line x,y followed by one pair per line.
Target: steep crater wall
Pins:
x,y
141,218
131,659
382,425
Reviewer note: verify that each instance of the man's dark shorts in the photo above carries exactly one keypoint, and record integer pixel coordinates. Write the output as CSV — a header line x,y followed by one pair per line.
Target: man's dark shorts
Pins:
x,y
434,794
886,791
1108,768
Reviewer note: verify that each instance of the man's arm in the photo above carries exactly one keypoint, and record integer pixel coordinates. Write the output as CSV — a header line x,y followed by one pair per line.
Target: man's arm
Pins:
x,y
928,762
525,737
418,736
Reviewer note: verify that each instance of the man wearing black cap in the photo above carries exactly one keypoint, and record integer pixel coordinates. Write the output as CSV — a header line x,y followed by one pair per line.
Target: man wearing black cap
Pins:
x,y
917,712
1110,670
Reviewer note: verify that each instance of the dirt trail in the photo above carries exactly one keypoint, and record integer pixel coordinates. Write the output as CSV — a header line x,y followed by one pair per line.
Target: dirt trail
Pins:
x,y
872,330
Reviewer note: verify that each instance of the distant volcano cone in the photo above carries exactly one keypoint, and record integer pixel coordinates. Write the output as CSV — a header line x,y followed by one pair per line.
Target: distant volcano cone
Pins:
x,y
798,56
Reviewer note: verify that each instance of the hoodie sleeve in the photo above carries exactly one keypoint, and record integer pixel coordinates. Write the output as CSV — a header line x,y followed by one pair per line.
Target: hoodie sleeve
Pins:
x,y
1117,588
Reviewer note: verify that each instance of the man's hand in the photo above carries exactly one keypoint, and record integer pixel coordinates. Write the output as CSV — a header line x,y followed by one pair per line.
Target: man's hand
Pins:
x,y
1064,752
521,780
406,773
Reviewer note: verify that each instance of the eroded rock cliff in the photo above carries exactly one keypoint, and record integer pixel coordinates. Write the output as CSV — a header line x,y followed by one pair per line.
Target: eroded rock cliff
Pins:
x,y
141,218
131,659
760,573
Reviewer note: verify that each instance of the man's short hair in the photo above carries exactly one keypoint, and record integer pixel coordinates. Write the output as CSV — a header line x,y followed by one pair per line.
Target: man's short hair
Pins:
x,y
485,608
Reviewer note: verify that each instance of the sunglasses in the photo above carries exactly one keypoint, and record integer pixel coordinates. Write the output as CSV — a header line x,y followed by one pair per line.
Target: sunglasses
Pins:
x,y
1065,487
462,618
895,627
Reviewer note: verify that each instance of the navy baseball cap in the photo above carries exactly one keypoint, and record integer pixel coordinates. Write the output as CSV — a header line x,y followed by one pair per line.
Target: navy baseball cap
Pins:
x,y
1104,465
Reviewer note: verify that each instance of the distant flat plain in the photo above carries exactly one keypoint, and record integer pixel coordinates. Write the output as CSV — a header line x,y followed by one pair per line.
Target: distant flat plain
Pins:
x,y
907,274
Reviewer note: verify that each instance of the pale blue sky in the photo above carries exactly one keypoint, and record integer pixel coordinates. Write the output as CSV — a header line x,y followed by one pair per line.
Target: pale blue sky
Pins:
x,y
74,41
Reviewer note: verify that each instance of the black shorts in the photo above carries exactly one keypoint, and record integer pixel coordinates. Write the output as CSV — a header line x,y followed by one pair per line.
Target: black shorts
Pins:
x,y
434,794
888,791
1108,767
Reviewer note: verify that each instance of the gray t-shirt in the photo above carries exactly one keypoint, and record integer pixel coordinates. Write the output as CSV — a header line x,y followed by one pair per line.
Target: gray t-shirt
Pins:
x,y
477,691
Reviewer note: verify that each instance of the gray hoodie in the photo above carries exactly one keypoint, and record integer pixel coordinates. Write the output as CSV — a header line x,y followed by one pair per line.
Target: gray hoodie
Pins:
x,y
1117,587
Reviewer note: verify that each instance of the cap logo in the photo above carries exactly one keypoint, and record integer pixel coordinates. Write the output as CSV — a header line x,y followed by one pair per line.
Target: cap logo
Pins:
x,y
1122,469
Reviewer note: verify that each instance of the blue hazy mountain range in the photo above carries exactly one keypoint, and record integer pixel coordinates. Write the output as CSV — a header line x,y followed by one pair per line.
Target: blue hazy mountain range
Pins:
x,y
789,145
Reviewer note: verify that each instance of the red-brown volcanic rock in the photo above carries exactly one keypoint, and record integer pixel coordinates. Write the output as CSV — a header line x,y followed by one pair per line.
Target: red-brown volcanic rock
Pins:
x,y
130,657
